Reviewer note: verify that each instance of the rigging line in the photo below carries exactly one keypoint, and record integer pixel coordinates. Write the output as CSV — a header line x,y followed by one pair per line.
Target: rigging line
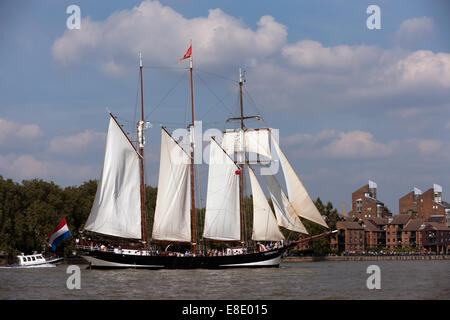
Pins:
x,y
254,105
220,101
165,96
215,94
217,75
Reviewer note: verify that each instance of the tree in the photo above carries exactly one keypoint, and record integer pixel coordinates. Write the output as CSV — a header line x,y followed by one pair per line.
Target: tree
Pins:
x,y
321,246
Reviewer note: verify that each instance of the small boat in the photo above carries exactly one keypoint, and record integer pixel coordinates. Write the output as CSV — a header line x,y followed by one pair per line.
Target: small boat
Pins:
x,y
34,261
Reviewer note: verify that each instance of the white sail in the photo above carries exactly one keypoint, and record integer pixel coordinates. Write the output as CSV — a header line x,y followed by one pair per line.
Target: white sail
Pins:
x,y
172,212
116,210
255,140
298,196
265,227
222,216
284,212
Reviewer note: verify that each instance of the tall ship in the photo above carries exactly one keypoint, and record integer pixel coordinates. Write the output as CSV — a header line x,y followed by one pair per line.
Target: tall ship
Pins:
x,y
183,236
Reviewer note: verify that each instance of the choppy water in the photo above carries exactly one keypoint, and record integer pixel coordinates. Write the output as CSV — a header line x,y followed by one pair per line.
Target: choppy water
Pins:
x,y
303,280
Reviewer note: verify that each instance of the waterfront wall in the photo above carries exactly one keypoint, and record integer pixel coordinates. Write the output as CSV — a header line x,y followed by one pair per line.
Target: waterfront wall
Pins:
x,y
365,258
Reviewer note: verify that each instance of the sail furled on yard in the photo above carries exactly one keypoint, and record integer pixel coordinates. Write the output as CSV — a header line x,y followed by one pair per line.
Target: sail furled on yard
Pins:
x,y
172,212
222,216
298,196
116,210
265,227
284,212
254,140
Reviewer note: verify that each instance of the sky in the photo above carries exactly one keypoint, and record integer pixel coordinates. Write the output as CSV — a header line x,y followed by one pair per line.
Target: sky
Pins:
x,y
351,104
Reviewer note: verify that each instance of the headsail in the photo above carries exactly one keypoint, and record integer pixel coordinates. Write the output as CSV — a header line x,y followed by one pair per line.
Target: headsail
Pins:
x,y
286,216
265,227
255,140
116,209
172,212
298,196
222,218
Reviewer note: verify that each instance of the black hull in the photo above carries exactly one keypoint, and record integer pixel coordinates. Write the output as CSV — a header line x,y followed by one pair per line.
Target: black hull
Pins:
x,y
111,260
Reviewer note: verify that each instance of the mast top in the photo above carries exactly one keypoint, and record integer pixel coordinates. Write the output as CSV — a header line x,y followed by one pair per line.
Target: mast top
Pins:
x,y
241,76
140,59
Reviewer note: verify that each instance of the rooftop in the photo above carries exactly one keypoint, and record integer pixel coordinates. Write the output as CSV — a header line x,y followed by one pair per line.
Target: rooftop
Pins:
x,y
371,226
437,226
379,221
350,225
401,219
413,225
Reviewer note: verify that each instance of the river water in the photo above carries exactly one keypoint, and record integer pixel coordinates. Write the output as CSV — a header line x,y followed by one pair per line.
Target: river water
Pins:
x,y
302,280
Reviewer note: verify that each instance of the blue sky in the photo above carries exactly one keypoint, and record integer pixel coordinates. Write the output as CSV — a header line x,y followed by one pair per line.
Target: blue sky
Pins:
x,y
352,104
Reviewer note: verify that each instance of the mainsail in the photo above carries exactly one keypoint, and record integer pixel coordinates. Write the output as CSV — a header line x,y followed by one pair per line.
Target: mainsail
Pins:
x,y
255,140
298,196
116,209
286,216
265,227
172,212
222,218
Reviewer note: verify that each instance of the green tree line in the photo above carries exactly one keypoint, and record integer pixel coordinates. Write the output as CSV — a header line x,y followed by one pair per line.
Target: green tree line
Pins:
x,y
30,211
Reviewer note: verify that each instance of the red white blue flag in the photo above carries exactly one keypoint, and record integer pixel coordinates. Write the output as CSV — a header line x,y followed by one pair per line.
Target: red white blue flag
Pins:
x,y
59,234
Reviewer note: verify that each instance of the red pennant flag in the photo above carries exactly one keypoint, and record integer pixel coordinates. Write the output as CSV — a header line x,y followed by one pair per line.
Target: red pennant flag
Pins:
x,y
238,172
188,54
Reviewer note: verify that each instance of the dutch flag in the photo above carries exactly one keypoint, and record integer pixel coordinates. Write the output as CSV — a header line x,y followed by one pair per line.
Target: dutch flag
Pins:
x,y
59,234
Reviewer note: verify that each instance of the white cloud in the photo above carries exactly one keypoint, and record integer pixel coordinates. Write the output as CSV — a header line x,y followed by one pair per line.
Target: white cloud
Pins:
x,y
306,75
10,131
414,31
28,166
77,143
312,55
302,138
357,144
311,77
162,35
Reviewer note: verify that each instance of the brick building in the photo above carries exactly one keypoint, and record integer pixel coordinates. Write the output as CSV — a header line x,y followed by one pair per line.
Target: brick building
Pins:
x,y
366,205
411,235
436,237
402,231
349,238
375,236
408,203
426,205
394,230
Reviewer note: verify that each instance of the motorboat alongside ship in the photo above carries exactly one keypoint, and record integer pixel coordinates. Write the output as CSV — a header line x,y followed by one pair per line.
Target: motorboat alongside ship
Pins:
x,y
34,261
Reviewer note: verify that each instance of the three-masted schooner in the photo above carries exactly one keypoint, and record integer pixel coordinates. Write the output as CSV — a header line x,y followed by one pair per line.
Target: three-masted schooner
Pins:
x,y
119,205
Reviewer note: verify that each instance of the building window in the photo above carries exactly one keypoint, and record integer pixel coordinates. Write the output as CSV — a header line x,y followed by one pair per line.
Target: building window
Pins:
x,y
358,205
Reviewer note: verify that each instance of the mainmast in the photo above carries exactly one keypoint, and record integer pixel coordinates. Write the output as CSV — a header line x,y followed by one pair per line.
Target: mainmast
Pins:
x,y
141,152
194,236
242,161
